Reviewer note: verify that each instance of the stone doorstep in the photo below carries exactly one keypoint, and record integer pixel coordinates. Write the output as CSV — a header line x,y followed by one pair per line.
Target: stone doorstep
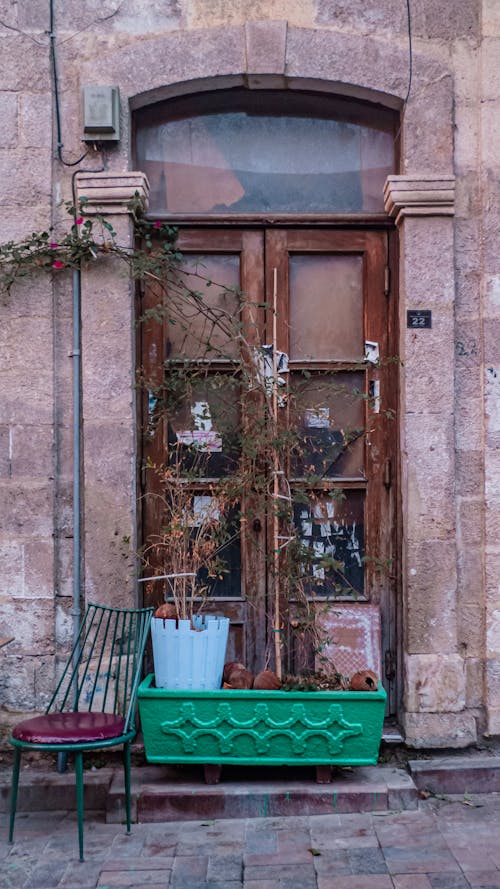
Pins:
x,y
163,793
457,774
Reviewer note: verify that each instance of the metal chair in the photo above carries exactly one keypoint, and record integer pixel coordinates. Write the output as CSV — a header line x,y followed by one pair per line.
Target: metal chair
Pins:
x,y
94,704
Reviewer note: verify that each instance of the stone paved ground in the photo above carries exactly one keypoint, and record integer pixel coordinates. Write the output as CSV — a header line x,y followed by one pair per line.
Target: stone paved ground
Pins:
x,y
451,843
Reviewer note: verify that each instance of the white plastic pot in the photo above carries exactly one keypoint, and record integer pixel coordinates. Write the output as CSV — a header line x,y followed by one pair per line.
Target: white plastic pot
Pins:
x,y
189,659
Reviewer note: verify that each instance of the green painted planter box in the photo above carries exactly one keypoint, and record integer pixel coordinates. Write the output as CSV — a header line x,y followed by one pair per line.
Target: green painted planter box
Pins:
x,y
261,727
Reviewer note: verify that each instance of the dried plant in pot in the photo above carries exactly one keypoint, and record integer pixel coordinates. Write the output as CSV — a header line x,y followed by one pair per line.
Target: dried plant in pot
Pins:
x,y
185,557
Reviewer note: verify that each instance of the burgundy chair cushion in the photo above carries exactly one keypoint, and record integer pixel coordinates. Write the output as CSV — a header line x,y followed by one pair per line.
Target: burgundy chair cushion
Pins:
x,y
69,728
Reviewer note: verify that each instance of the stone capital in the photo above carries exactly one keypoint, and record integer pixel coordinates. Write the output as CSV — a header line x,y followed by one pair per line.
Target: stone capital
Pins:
x,y
111,193
419,195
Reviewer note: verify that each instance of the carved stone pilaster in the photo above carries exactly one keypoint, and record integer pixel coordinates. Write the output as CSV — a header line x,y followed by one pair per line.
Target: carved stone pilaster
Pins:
x,y
111,193
419,195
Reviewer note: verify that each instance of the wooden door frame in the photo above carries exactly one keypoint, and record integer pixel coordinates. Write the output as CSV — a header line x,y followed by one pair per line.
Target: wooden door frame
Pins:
x,y
195,234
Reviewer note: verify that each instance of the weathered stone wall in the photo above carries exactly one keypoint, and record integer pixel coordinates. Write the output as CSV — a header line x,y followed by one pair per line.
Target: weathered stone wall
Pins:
x,y
449,414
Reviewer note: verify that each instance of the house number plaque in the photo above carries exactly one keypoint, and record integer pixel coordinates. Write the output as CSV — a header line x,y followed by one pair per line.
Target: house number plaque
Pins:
x,y
418,319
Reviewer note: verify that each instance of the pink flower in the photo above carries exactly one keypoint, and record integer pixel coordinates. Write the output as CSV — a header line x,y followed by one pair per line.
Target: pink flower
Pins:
x,y
57,264
157,224
53,246
79,221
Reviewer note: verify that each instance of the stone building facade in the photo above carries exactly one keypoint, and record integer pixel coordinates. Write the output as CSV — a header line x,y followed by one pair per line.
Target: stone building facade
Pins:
x,y
444,206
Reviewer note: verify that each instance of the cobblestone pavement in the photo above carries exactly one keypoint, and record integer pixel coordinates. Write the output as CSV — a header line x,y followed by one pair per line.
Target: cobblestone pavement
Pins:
x,y
448,843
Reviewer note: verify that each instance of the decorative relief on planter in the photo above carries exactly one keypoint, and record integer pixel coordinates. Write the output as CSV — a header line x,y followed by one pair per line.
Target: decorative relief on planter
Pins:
x,y
248,727
261,729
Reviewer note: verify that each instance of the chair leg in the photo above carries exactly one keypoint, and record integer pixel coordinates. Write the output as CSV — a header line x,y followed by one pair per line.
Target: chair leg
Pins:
x,y
79,798
13,793
126,768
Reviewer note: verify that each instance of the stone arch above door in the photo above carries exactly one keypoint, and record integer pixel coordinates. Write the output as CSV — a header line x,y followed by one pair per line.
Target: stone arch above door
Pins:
x,y
271,54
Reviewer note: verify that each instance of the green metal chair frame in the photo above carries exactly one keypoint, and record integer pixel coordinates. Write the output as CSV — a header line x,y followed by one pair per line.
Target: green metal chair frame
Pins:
x,y
101,676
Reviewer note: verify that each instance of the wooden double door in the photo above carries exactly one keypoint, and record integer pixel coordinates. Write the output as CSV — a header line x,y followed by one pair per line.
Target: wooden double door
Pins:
x,y
333,321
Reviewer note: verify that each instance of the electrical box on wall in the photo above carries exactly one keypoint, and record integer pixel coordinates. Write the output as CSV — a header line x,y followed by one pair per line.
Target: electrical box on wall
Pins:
x,y
101,113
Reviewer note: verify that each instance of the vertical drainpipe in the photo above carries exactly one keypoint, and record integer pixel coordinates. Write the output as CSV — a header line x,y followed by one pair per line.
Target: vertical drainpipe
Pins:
x,y
77,375
62,758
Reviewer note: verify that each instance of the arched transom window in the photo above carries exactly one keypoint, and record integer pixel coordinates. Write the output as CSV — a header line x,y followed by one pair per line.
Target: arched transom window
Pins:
x,y
244,152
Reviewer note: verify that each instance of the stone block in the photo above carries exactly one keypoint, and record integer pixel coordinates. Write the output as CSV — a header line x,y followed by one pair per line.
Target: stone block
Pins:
x,y
36,120
493,721
466,56
434,683
342,57
431,606
39,569
490,127
491,18
110,525
492,678
16,223
26,176
490,48
492,296
362,17
26,374
109,454
492,397
492,570
32,452
220,13
467,245
493,626
428,262
447,20
474,682
430,468
5,467
467,129
469,466
27,508
24,62
64,567
428,129
109,380
428,356
11,570
492,516
468,194
468,336
31,623
26,683
265,47
187,56
64,630
491,339
470,523
491,218
457,775
134,18
427,730
9,117
471,627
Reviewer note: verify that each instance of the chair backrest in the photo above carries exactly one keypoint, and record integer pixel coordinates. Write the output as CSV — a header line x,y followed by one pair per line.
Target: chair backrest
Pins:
x,y
104,668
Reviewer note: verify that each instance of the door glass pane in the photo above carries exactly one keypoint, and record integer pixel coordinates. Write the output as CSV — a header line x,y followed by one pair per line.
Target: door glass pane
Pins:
x,y
331,531
326,307
327,411
206,334
240,162
203,421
